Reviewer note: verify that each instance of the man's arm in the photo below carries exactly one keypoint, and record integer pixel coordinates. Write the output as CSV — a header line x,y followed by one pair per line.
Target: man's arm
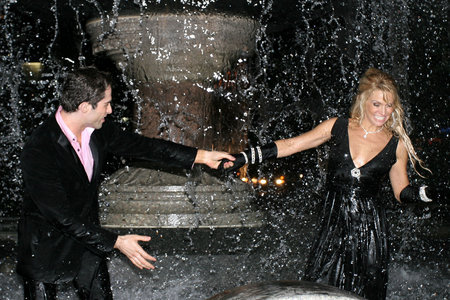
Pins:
x,y
124,143
212,158
171,154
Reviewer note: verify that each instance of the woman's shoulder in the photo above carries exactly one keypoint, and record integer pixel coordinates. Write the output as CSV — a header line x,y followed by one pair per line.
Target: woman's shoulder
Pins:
x,y
331,126
400,145
330,122
343,121
337,124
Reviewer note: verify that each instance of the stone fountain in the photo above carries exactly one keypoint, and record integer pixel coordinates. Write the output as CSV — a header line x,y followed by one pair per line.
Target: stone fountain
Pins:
x,y
174,59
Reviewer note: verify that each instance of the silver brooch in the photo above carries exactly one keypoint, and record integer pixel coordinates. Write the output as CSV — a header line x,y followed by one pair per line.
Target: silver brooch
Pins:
x,y
356,173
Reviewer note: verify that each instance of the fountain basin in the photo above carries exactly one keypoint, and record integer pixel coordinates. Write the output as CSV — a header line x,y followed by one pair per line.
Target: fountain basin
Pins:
x,y
146,198
174,46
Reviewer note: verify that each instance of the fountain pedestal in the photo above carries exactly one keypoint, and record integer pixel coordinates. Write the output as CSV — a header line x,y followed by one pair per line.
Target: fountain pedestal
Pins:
x,y
173,60
146,198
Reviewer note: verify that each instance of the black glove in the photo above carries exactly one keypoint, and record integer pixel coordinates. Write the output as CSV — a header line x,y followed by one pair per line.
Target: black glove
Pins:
x,y
254,155
439,194
414,194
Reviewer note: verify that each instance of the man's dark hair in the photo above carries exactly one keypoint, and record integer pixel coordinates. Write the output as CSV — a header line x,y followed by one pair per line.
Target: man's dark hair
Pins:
x,y
86,84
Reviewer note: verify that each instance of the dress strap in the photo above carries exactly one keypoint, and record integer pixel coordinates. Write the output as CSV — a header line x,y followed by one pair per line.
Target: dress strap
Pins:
x,y
340,127
392,147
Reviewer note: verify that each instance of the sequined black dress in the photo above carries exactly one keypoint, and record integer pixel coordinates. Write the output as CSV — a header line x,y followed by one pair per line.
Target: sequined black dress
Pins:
x,y
351,251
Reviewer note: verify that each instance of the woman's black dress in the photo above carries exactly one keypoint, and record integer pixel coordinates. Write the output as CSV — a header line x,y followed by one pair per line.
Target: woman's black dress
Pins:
x,y
352,250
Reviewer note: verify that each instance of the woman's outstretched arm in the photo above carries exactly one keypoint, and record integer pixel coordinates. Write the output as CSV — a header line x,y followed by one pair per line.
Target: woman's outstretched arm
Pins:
x,y
281,148
311,139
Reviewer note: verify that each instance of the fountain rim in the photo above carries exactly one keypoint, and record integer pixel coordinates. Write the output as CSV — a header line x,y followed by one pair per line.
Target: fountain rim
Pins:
x,y
138,16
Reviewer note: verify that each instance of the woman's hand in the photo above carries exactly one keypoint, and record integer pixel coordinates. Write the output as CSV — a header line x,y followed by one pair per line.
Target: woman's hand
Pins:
x,y
230,166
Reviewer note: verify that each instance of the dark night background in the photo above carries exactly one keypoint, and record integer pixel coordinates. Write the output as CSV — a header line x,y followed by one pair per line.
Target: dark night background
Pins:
x,y
53,33
310,56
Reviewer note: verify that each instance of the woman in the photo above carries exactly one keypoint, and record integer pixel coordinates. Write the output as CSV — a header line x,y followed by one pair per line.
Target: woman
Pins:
x,y
352,249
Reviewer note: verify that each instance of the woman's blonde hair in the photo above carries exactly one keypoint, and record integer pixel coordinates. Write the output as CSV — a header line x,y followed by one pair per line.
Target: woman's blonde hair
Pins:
x,y
372,80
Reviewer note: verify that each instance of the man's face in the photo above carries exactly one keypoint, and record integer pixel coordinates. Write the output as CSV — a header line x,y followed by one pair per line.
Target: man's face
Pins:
x,y
96,117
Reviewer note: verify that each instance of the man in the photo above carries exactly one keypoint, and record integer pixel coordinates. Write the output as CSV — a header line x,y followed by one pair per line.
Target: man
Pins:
x,y
59,237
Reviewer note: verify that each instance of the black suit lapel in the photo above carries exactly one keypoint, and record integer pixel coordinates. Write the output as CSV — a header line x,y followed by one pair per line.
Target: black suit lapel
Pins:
x,y
67,151
93,144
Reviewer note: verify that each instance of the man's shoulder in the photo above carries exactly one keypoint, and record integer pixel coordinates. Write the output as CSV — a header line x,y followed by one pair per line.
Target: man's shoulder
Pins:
x,y
110,129
43,134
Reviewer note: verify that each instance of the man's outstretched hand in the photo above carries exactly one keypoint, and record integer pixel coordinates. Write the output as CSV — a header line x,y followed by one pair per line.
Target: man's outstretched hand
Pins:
x,y
212,158
128,245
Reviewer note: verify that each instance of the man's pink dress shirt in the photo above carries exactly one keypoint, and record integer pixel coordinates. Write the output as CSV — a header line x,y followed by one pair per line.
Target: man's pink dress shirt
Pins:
x,y
84,151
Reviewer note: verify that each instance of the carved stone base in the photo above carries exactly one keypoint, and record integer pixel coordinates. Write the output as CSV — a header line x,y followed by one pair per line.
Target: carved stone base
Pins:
x,y
147,198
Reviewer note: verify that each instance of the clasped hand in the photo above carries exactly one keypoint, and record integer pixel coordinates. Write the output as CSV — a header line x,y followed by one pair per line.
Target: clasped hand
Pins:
x,y
230,166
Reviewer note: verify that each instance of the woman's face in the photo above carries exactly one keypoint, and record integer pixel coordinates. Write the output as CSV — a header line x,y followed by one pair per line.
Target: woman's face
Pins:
x,y
378,108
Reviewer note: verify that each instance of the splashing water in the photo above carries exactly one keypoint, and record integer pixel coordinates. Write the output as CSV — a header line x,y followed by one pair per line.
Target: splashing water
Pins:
x,y
308,59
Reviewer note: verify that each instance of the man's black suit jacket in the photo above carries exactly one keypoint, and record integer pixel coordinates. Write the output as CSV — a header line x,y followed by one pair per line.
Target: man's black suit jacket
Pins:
x,y
59,220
